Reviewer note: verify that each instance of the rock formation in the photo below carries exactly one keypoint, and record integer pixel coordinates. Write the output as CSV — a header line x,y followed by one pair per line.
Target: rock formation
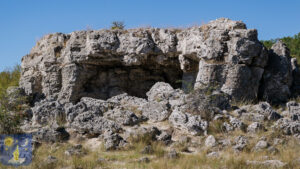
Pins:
x,y
104,63
119,84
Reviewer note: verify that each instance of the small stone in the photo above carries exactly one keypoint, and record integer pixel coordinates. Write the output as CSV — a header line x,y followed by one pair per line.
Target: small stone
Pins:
x,y
241,143
255,127
210,141
144,160
261,145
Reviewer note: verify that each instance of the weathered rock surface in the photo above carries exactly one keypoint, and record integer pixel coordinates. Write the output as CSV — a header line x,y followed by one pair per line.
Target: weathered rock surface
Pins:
x,y
287,126
105,63
51,135
278,77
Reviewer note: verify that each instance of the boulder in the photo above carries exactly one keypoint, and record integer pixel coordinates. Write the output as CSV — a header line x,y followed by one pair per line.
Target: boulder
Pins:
x,y
187,122
120,116
92,124
113,141
287,126
160,91
156,111
265,109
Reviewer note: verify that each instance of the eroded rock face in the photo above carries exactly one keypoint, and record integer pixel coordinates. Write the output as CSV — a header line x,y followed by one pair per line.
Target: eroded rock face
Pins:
x,y
105,63
278,76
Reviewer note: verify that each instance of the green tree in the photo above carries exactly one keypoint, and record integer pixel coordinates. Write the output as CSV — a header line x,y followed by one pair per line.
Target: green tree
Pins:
x,y
10,114
293,43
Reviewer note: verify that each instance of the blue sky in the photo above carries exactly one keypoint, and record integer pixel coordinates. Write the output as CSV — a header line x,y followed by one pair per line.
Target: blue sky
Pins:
x,y
23,22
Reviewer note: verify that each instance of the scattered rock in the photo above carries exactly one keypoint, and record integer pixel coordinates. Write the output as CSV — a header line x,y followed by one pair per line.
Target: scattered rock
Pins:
x,y
265,109
210,141
287,126
113,141
144,160
255,127
190,123
237,124
241,143
261,145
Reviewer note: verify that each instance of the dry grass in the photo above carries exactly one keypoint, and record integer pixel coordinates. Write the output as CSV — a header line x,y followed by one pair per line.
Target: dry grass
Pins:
x,y
128,158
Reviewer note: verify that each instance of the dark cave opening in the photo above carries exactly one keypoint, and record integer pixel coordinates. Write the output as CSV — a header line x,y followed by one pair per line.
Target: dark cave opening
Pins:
x,y
107,80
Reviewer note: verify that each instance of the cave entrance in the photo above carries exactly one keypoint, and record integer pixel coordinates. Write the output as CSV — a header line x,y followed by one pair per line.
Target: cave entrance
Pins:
x,y
105,81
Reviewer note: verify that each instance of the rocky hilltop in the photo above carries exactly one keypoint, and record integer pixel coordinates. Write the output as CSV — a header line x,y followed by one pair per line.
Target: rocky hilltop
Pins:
x,y
168,84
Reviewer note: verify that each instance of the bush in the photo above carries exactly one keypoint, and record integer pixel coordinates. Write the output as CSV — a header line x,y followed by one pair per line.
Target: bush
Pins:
x,y
9,120
117,25
11,111
9,78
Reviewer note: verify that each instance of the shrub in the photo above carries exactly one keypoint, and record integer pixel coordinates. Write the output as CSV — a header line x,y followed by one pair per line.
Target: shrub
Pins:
x,y
117,25
11,111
